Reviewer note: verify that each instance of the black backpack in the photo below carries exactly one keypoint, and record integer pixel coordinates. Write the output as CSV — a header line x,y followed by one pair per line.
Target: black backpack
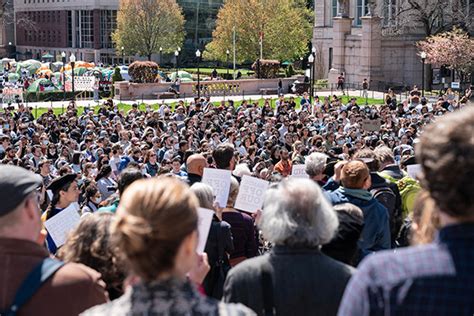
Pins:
x,y
32,283
387,198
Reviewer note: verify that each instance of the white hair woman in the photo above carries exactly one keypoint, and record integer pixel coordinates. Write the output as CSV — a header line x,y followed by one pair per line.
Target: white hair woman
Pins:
x,y
297,219
314,166
219,243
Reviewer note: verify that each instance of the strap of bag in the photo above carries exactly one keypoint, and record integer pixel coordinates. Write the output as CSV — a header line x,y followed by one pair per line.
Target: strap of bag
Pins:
x,y
32,283
267,291
220,246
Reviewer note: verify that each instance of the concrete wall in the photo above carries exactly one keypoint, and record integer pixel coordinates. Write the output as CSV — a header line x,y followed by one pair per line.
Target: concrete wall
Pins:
x,y
125,90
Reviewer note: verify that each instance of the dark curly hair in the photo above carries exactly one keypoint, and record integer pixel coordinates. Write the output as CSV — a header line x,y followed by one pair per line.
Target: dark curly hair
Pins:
x,y
90,245
446,154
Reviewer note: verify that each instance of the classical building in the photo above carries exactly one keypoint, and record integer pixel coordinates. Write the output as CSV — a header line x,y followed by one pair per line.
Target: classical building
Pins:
x,y
82,27
369,40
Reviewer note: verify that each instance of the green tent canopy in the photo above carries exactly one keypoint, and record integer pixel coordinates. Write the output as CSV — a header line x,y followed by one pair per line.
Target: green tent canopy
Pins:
x,y
182,75
47,56
35,86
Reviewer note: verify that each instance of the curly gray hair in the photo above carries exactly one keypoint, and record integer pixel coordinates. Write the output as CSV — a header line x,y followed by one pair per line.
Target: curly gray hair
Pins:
x,y
315,163
296,213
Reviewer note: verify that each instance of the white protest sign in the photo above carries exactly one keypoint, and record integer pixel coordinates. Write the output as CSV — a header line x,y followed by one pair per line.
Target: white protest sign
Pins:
x,y
204,225
414,171
62,223
219,180
298,171
251,194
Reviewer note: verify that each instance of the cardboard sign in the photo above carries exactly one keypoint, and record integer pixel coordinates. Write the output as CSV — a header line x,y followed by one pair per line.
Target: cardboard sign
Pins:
x,y
414,170
371,125
298,171
219,180
204,225
62,223
251,194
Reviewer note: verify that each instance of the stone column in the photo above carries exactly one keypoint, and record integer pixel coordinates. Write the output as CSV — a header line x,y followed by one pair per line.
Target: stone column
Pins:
x,y
341,28
371,50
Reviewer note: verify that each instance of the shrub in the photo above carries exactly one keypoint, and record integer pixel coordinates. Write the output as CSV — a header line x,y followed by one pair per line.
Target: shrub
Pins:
x,y
117,76
290,71
268,68
143,71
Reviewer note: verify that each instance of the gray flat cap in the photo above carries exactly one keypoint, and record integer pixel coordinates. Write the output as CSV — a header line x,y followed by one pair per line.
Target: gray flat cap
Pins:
x,y
15,185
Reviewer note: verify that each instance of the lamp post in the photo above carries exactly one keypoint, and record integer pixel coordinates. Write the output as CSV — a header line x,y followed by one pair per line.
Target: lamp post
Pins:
x,y
311,65
313,53
423,58
123,55
198,57
161,55
63,58
72,59
176,54
227,53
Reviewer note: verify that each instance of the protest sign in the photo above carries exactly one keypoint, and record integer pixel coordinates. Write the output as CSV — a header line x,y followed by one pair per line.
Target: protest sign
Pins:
x,y
251,194
219,180
12,94
371,125
414,170
298,171
81,83
204,225
62,223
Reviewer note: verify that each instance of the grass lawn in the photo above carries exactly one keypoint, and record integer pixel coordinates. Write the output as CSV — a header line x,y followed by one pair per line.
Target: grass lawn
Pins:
x,y
155,106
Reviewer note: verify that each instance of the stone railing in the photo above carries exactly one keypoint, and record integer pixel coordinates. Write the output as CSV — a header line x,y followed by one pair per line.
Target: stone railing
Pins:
x,y
125,90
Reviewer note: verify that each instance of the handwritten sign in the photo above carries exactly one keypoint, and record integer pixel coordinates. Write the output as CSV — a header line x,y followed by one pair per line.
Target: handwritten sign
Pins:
x,y
81,83
251,194
219,180
204,225
62,223
298,171
371,125
414,171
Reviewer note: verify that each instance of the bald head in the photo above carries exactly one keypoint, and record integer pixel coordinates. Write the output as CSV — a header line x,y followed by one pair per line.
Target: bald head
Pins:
x,y
196,164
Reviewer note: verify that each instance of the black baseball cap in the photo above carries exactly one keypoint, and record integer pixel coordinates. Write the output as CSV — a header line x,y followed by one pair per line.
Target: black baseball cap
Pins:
x,y
16,184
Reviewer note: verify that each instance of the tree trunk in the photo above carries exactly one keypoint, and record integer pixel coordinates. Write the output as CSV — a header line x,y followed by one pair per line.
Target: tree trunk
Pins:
x,y
429,77
149,57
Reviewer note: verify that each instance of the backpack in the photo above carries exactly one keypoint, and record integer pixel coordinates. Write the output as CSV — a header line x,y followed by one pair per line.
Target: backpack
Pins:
x,y
385,196
32,283
409,189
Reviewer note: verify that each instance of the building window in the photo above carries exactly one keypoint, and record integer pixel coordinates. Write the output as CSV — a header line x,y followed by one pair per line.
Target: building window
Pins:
x,y
361,10
335,8
69,28
330,58
108,24
84,29
390,10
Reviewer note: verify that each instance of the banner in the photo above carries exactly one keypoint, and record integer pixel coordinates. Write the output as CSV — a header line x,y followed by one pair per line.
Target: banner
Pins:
x,y
81,83
10,94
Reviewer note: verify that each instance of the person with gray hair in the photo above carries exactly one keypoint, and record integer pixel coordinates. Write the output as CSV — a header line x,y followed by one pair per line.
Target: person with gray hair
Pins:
x,y
314,166
297,219
219,243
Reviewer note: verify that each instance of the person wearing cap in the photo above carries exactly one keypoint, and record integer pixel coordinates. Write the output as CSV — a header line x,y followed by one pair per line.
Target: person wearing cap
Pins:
x,y
64,192
355,179
71,289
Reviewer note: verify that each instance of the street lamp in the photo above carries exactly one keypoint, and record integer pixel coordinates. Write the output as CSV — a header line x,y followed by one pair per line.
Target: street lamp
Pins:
x,y
63,58
176,54
423,58
123,55
227,52
161,55
72,59
311,65
198,57
313,52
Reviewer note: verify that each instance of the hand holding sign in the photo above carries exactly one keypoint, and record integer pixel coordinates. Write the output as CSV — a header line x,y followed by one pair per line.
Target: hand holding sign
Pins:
x,y
251,194
219,180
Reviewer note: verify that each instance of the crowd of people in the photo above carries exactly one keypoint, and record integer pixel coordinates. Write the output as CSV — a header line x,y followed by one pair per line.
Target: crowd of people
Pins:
x,y
136,178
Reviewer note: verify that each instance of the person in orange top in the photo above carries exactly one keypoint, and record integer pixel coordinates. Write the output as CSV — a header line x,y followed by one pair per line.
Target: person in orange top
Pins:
x,y
284,165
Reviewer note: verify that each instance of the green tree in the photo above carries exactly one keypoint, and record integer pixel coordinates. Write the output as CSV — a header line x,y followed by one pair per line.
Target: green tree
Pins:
x,y
143,26
286,26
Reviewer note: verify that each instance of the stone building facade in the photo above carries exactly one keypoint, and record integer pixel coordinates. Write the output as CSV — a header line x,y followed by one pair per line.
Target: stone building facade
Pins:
x,y
361,44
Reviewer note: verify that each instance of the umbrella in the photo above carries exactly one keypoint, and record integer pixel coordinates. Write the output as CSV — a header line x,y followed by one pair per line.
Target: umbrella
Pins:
x,y
47,56
181,75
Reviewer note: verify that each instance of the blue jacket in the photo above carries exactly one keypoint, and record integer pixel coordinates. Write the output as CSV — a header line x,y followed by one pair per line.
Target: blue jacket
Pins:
x,y
376,232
